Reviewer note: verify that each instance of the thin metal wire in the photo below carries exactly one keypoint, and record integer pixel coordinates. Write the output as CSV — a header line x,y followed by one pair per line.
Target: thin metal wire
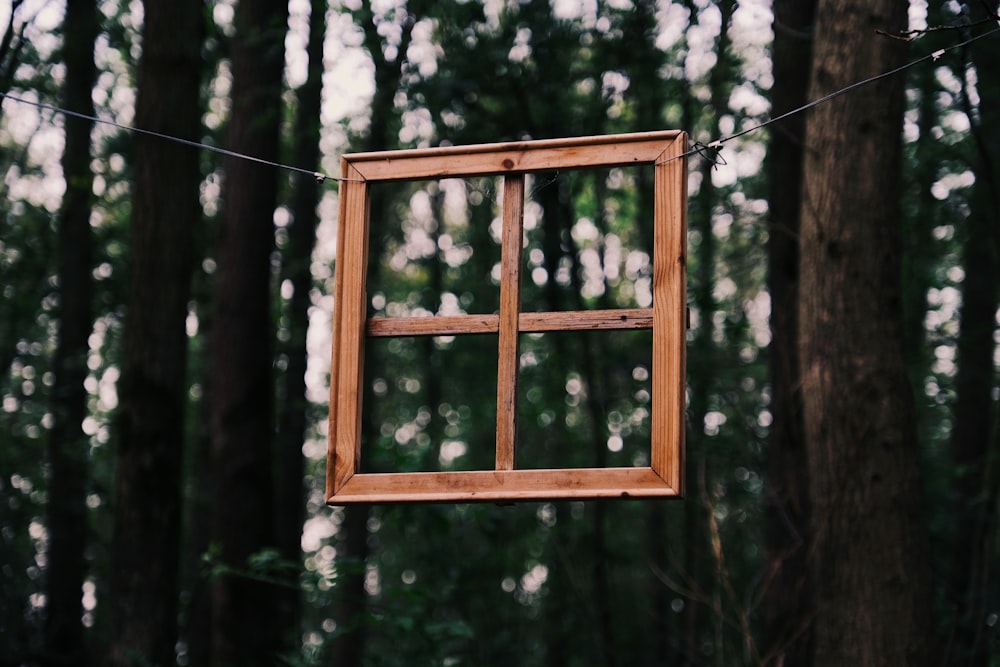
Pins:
x,y
708,151
319,176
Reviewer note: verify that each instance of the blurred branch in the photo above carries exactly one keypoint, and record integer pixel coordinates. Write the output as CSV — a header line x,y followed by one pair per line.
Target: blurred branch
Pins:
x,y
10,47
910,35
734,614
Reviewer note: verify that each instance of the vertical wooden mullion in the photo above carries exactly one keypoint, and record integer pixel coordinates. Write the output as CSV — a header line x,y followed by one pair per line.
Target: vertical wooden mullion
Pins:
x,y
510,308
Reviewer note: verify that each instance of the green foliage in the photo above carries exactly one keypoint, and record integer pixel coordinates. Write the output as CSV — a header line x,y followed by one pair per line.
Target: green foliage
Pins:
x,y
266,566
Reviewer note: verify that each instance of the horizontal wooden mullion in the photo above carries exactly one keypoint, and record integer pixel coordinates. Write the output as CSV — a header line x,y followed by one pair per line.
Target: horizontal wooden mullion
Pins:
x,y
450,325
583,320
454,325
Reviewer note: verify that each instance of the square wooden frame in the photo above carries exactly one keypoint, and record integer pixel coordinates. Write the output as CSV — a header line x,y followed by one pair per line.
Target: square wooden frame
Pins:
x,y
665,151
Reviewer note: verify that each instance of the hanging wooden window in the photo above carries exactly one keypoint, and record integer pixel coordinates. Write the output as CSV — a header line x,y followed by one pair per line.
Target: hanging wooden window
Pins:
x,y
511,162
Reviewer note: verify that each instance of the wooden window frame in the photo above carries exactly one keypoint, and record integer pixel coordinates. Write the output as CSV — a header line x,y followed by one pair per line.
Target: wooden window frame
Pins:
x,y
667,318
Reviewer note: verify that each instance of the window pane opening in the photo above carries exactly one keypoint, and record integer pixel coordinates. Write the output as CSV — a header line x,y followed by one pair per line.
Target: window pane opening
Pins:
x,y
431,403
431,248
585,400
589,236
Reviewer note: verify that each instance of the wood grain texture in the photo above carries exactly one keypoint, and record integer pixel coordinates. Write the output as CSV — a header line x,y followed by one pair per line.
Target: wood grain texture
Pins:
x,y
453,325
347,360
508,358
513,157
504,485
669,314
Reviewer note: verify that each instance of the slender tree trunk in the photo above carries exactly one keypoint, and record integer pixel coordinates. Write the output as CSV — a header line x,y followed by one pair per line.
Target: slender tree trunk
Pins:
x,y
649,94
696,618
919,253
974,505
695,552
348,648
245,630
293,418
11,43
787,608
144,579
869,560
196,613
351,597
69,446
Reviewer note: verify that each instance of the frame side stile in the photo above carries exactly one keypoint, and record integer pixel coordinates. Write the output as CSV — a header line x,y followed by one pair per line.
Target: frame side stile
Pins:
x,y
362,313
338,288
661,416
669,314
682,198
349,327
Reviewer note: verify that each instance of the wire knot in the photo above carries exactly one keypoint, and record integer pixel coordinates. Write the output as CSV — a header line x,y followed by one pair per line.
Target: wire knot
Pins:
x,y
711,152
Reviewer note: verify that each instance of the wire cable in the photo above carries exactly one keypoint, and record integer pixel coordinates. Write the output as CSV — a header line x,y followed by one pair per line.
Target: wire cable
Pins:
x,y
319,176
708,151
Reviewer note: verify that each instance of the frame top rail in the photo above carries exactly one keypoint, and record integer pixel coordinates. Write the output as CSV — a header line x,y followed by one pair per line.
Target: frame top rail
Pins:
x,y
512,157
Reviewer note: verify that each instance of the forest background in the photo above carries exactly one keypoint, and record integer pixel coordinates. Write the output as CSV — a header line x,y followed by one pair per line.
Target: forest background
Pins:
x,y
166,315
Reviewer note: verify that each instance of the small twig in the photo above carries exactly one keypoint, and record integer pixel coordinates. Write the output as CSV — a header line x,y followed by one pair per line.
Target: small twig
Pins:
x,y
910,35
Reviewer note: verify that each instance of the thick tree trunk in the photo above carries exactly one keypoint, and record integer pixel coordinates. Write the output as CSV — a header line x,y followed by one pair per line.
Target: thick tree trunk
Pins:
x,y
787,601
144,579
870,564
244,625
69,446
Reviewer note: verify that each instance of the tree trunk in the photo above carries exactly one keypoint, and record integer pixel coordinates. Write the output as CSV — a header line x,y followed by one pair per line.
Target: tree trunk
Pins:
x,y
348,648
650,93
144,579
974,504
787,604
244,624
293,419
870,564
11,44
69,446
701,612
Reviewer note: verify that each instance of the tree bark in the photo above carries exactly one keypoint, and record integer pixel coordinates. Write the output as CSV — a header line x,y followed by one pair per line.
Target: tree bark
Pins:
x,y
870,565
152,392
787,606
69,446
244,624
